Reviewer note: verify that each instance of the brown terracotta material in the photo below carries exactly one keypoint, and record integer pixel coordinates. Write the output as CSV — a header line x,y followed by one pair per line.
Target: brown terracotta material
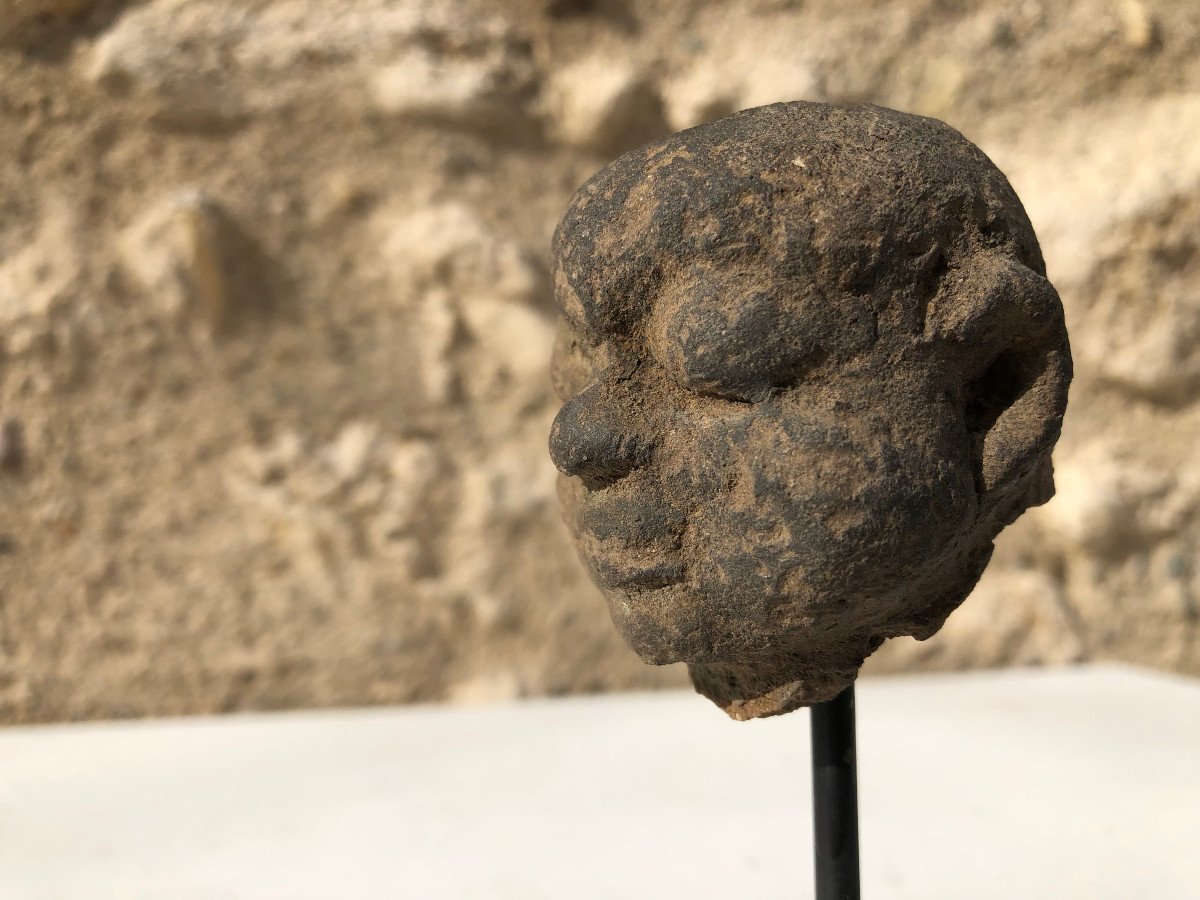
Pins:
x,y
811,367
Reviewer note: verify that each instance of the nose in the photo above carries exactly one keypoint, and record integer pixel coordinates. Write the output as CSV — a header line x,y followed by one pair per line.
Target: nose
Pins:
x,y
591,439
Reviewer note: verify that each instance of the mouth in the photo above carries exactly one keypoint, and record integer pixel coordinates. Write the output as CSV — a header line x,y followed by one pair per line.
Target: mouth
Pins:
x,y
649,578
630,541
617,566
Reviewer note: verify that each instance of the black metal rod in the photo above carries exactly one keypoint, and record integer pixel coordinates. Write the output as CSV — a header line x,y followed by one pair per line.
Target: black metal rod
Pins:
x,y
835,798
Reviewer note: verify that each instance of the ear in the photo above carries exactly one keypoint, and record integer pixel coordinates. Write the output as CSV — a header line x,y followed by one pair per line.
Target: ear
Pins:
x,y
1001,325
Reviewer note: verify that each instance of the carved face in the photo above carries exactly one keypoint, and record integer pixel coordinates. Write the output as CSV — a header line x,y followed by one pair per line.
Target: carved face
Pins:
x,y
768,468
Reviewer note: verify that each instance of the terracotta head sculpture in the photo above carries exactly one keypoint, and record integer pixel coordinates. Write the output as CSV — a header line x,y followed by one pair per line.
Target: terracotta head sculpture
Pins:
x,y
811,366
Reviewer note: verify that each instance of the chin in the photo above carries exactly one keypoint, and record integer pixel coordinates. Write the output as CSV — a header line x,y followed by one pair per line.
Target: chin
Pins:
x,y
680,623
661,625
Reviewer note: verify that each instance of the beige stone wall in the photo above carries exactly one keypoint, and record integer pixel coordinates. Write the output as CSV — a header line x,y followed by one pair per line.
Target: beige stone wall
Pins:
x,y
274,322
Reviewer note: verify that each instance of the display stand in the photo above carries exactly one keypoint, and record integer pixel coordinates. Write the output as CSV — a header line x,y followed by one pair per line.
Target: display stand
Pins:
x,y
835,798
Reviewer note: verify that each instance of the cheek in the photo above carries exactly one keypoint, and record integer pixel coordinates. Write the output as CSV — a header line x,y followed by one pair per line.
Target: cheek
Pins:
x,y
911,507
829,518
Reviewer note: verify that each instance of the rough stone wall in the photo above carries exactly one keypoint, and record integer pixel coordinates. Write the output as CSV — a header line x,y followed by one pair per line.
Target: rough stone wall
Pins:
x,y
274,326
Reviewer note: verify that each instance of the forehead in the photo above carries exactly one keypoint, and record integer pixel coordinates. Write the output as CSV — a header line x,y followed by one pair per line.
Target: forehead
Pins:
x,y
865,206
622,250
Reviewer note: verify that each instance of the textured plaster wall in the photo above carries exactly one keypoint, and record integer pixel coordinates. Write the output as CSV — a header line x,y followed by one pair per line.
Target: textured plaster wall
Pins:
x,y
275,319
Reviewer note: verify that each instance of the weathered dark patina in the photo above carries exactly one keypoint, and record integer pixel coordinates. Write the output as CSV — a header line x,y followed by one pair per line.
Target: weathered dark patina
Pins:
x,y
811,367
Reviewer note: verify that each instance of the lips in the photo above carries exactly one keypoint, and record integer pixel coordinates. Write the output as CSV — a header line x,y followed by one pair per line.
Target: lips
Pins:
x,y
630,542
645,578
619,561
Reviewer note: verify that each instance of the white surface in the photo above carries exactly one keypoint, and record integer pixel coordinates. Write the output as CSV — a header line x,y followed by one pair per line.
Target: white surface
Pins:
x,y
1071,784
